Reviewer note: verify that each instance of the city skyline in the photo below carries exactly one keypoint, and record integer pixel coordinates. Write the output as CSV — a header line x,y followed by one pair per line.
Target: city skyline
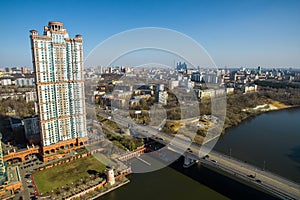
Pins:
x,y
235,33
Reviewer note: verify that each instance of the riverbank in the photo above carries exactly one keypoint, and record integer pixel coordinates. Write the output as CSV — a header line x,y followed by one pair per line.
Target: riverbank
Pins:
x,y
241,107
274,105
277,98
109,190
264,108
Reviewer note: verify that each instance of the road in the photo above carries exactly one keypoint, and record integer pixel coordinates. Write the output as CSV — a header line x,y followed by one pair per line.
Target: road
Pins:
x,y
25,193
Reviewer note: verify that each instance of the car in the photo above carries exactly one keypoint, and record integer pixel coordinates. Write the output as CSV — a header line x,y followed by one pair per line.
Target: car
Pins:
x,y
251,176
258,181
214,161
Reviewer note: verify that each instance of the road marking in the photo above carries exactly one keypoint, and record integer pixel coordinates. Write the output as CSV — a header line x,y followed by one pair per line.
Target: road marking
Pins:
x,y
143,160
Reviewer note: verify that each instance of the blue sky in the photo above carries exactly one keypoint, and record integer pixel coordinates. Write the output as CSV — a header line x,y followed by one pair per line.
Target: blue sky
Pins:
x,y
235,33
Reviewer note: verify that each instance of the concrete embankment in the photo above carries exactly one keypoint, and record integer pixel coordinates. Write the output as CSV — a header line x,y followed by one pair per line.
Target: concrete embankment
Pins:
x,y
111,189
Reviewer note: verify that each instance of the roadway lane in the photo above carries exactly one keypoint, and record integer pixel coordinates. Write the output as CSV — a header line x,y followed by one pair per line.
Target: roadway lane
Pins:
x,y
25,192
266,180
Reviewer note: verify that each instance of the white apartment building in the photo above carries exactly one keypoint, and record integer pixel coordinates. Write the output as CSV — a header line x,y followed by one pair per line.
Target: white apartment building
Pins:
x,y
58,68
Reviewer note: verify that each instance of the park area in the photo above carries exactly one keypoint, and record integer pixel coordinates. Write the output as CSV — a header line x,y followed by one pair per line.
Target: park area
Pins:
x,y
67,174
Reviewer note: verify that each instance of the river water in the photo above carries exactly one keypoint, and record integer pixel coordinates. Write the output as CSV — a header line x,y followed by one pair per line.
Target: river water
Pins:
x,y
270,141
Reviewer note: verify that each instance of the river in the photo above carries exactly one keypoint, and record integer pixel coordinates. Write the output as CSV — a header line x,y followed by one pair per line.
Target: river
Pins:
x,y
270,141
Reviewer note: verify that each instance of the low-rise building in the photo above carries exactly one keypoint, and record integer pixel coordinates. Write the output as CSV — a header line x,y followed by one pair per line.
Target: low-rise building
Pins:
x,y
111,101
10,179
196,76
15,122
173,84
209,93
229,90
162,97
251,88
30,96
24,81
6,81
32,129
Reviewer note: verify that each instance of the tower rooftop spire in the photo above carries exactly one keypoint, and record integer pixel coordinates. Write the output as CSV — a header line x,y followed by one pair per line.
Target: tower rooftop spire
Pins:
x,y
55,26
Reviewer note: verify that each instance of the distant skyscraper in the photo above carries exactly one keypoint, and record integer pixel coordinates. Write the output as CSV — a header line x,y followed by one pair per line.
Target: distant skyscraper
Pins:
x,y
58,67
259,70
181,67
100,68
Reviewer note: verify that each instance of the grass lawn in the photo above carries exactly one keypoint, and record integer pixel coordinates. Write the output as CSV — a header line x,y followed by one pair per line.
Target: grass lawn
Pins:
x,y
58,176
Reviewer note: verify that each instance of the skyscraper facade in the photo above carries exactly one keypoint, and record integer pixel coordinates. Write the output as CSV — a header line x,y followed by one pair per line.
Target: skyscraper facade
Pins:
x,y
2,167
58,66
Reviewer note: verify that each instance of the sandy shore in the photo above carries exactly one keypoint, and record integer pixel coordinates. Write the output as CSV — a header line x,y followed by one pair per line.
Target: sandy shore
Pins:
x,y
274,105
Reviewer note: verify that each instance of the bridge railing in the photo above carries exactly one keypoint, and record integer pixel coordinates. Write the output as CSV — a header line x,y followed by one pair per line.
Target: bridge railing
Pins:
x,y
272,173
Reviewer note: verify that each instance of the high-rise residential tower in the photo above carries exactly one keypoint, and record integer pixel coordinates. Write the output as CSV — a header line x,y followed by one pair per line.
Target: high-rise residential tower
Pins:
x,y
2,167
58,67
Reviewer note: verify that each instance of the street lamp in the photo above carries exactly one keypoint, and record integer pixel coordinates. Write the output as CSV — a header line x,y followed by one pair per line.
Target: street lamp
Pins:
x,y
264,166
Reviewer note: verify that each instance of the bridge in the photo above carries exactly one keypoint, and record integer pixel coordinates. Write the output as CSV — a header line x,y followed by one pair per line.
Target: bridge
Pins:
x,y
272,183
133,154
267,181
